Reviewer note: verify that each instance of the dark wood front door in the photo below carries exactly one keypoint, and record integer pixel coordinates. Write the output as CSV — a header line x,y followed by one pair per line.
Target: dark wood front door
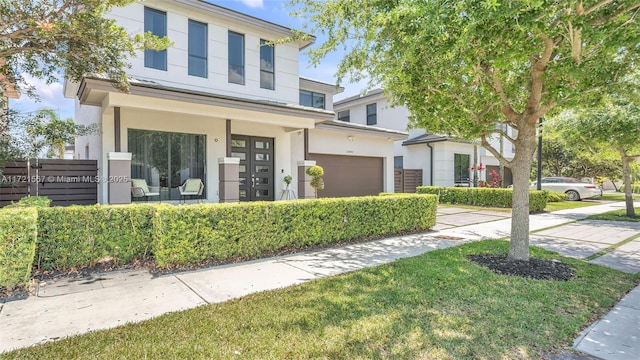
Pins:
x,y
256,166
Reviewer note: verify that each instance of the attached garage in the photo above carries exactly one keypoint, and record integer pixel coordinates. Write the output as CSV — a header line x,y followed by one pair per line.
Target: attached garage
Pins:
x,y
350,175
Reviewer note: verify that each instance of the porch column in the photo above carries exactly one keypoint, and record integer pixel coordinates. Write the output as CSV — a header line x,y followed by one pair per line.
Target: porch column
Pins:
x,y
229,179
119,177
305,191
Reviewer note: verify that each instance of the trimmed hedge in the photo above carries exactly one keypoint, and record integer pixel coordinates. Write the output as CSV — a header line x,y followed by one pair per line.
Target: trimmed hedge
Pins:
x,y
77,236
220,232
83,235
635,188
18,232
495,197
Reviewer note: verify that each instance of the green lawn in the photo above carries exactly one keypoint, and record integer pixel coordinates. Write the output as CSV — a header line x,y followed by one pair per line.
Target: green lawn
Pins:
x,y
435,306
616,215
551,206
617,196
563,205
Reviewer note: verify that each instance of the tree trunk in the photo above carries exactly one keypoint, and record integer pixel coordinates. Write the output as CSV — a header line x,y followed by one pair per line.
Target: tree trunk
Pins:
x,y
523,159
628,194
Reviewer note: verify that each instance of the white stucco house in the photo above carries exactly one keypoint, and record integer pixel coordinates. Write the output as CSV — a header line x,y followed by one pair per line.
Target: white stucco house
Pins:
x,y
444,161
222,106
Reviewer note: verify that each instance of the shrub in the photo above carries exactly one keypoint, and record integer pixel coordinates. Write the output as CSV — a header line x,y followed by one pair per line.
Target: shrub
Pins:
x,y
192,234
317,183
83,235
556,196
18,229
483,196
27,201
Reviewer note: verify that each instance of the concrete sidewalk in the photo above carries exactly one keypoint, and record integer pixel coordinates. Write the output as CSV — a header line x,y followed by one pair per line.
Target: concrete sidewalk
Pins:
x,y
73,306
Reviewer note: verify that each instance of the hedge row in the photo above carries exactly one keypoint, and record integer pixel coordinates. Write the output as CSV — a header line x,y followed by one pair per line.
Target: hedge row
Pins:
x,y
201,232
83,235
18,233
494,197
635,188
78,236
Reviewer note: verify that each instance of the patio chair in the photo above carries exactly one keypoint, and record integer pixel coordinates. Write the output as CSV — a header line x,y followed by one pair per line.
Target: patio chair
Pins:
x,y
191,187
139,189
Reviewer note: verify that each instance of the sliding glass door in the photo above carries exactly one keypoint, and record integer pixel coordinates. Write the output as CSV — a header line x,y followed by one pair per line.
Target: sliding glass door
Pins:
x,y
165,160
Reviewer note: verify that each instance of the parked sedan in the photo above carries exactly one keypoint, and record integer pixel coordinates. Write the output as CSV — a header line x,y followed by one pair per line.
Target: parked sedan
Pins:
x,y
574,189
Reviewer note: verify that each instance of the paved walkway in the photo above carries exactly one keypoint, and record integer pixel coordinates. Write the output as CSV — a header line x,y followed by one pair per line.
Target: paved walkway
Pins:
x,y
74,306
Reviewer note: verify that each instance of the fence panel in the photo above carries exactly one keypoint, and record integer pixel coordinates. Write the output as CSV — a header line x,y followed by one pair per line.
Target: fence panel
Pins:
x,y
14,181
65,182
407,180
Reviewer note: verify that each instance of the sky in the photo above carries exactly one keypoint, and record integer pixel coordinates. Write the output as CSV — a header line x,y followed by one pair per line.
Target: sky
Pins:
x,y
276,11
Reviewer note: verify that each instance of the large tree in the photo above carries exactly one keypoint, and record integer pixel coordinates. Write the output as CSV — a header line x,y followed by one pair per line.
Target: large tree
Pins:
x,y
612,125
461,66
43,37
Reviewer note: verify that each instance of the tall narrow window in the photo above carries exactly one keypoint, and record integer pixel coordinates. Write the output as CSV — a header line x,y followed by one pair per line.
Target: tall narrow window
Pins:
x,y
236,58
372,114
155,22
461,168
344,116
267,68
197,49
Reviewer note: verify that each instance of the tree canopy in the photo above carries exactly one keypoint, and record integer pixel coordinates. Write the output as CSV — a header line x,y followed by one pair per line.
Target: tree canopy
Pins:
x,y
614,125
461,66
42,37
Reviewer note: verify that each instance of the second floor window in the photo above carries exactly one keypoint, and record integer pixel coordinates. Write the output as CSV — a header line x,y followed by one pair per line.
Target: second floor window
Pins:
x,y
267,69
344,116
236,58
312,99
197,49
155,22
372,114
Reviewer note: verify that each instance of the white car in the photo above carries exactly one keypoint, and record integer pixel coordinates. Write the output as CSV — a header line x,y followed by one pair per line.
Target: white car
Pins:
x,y
575,189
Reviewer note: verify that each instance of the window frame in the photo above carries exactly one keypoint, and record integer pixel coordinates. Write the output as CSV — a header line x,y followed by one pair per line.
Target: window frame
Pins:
x,y
231,34
314,95
372,117
150,56
191,55
272,72
460,170
343,118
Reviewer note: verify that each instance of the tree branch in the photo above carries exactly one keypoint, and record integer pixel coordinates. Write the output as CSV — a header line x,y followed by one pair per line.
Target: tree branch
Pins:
x,y
605,20
494,152
595,7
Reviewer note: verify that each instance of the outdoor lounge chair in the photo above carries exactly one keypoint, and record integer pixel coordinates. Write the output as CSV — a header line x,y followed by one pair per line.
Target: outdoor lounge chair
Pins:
x,y
191,187
140,189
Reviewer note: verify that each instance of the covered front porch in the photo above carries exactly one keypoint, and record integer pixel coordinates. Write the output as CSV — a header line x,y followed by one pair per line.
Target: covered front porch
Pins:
x,y
239,149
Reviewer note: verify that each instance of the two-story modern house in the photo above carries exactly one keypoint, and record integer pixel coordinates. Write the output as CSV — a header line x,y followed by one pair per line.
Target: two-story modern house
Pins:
x,y
444,161
222,106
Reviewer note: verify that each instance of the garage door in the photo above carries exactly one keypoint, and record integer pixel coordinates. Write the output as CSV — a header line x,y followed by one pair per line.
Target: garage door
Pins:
x,y
350,175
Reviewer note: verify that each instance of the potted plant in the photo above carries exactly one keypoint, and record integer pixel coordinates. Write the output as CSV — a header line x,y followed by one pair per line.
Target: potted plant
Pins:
x,y
287,180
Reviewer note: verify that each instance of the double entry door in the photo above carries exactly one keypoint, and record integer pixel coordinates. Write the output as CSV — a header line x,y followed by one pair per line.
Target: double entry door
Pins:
x,y
256,166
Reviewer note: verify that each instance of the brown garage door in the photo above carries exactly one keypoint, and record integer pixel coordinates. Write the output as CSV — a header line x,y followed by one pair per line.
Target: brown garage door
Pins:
x,y
350,175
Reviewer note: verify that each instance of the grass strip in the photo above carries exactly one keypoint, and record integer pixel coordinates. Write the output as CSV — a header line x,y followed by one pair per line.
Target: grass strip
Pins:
x,y
435,306
616,215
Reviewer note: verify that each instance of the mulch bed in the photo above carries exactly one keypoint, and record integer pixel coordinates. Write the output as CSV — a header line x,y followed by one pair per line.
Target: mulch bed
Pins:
x,y
540,269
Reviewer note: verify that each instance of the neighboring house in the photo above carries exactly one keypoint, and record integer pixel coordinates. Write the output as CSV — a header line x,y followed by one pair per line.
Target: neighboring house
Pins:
x,y
444,161
222,106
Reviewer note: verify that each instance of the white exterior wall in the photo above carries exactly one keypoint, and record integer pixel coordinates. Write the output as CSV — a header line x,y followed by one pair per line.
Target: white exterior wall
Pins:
x,y
88,115
337,143
286,90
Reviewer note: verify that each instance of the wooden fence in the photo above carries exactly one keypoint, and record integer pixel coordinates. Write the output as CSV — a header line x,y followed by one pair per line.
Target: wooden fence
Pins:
x,y
65,182
407,180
